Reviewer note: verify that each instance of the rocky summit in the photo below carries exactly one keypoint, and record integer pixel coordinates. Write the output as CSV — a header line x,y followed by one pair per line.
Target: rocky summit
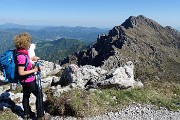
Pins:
x,y
154,49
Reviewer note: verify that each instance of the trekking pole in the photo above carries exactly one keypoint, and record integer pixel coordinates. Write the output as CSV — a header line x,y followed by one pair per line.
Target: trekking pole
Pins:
x,y
40,94
38,75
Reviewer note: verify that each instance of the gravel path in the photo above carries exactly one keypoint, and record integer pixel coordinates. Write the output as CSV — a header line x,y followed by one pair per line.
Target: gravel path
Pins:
x,y
133,112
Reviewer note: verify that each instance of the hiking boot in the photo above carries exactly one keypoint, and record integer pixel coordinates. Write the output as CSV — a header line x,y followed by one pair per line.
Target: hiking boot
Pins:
x,y
32,114
26,117
45,117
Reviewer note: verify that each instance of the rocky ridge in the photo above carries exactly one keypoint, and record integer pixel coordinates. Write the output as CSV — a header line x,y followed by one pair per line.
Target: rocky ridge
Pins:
x,y
154,49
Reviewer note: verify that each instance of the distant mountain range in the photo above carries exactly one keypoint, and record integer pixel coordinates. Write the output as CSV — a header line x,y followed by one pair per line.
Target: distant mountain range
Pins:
x,y
13,25
46,34
37,27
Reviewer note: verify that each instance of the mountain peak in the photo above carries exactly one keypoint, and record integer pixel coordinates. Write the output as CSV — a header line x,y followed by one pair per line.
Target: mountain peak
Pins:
x,y
140,21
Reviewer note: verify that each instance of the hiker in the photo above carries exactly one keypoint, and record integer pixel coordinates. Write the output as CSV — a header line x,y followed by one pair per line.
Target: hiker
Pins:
x,y
27,78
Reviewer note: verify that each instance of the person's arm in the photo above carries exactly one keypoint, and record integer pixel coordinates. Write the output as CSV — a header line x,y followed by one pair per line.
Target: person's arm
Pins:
x,y
22,72
34,58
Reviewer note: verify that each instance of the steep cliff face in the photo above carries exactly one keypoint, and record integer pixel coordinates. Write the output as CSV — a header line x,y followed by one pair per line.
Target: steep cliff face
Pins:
x,y
154,49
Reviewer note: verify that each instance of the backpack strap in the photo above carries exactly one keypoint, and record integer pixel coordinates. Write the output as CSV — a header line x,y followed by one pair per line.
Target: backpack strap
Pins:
x,y
26,64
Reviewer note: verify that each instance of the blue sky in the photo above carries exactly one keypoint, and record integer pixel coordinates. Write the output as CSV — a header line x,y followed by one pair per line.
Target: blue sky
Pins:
x,y
88,13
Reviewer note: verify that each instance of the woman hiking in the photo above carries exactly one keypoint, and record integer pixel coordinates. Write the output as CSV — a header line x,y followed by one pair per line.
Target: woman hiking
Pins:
x,y
27,78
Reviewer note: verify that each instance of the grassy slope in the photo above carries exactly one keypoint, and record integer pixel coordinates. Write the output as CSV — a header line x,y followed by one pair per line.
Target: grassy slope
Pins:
x,y
82,103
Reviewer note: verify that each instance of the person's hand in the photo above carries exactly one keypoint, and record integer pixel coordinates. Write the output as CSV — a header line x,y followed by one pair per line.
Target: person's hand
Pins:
x,y
34,58
37,68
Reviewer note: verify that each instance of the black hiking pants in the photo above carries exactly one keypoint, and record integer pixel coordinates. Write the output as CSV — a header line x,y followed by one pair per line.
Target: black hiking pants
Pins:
x,y
29,88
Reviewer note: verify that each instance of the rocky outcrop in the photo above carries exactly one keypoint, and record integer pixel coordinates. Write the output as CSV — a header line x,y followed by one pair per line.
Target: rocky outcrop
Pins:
x,y
49,68
88,76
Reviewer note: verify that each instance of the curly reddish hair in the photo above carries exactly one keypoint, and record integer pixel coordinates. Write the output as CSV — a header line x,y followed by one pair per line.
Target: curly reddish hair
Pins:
x,y
22,41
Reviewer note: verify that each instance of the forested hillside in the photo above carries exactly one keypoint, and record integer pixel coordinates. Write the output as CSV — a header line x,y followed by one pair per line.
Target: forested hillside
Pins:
x,y
58,49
